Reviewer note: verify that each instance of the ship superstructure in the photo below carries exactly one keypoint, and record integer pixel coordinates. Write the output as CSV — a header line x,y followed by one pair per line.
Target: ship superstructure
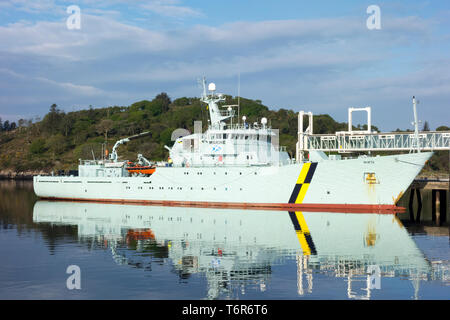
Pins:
x,y
228,144
240,164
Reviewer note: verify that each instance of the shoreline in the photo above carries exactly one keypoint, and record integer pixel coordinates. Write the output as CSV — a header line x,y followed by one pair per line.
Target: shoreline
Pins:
x,y
27,175
16,177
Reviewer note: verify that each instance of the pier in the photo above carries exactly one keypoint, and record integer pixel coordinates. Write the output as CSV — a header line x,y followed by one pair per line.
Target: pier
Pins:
x,y
368,140
439,189
356,141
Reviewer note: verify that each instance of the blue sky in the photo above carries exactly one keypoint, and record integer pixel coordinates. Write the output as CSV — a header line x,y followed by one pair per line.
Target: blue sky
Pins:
x,y
303,55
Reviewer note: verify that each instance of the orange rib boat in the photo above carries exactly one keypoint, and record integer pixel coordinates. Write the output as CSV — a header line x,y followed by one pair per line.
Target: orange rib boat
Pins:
x,y
132,168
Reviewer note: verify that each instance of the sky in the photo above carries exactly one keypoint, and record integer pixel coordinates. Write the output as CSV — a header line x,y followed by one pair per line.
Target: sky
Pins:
x,y
317,56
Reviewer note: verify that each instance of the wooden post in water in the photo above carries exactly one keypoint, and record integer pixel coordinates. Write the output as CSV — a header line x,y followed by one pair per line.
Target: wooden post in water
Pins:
x,y
443,207
411,202
433,205
438,207
419,202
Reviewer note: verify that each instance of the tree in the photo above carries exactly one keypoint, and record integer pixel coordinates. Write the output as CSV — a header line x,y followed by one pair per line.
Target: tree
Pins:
x,y
66,124
165,101
6,125
52,121
104,127
56,144
426,126
37,146
1,125
181,101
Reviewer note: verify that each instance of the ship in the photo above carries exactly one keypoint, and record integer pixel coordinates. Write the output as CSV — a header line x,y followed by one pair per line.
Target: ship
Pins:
x,y
237,164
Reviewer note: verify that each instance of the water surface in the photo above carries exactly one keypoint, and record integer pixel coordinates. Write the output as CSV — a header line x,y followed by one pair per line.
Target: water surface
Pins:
x,y
150,252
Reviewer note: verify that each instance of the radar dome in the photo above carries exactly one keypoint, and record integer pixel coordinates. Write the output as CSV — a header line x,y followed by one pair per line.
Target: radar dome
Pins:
x,y
264,120
212,87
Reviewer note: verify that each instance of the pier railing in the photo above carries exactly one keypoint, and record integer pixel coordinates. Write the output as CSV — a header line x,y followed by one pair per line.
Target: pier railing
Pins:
x,y
350,142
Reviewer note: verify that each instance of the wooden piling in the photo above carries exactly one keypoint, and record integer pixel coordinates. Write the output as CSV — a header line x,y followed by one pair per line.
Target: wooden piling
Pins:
x,y
438,207
443,207
439,188
433,205
419,206
411,202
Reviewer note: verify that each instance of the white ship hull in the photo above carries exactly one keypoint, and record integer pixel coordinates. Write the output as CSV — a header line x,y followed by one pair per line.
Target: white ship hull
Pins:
x,y
371,182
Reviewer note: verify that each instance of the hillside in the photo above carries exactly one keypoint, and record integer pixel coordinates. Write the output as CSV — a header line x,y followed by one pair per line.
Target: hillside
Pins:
x,y
58,140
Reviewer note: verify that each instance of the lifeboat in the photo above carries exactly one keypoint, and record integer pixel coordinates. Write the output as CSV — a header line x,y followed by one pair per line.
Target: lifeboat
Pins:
x,y
138,169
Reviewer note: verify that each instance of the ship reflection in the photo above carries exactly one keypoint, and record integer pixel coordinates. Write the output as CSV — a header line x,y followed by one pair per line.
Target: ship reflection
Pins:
x,y
236,249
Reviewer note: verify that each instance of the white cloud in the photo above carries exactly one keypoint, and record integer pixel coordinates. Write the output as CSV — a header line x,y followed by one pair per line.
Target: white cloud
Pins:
x,y
288,61
170,9
33,6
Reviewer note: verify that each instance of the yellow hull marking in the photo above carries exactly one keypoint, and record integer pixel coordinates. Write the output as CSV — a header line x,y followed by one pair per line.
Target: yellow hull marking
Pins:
x,y
303,173
302,193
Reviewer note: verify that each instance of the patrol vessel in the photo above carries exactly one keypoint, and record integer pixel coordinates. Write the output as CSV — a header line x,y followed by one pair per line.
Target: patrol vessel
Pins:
x,y
240,165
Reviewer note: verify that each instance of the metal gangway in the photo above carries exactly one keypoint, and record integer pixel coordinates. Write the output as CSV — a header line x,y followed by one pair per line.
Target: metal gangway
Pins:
x,y
344,142
368,140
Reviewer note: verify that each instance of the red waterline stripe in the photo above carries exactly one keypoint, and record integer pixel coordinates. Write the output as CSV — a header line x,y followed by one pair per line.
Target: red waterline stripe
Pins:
x,y
343,208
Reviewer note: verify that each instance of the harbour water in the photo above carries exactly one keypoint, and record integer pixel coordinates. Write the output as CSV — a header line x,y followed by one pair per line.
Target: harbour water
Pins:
x,y
79,250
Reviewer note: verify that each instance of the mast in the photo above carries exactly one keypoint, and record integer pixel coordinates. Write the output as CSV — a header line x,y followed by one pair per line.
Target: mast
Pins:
x,y
212,100
416,125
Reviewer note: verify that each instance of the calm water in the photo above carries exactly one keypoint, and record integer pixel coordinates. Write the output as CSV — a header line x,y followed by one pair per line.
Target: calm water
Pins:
x,y
149,252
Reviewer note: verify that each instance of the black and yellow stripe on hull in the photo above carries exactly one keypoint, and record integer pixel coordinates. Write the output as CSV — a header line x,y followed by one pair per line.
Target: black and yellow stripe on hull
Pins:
x,y
302,231
303,181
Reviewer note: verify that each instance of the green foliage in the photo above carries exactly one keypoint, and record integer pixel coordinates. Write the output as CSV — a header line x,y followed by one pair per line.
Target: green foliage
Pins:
x,y
60,139
38,146
443,128
166,136
163,100
181,101
57,144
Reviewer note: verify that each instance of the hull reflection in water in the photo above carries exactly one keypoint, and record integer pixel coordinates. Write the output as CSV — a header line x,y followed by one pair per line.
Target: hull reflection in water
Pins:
x,y
237,248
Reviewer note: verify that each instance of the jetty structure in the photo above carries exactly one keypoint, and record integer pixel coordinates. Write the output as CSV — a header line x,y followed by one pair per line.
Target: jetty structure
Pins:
x,y
237,164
